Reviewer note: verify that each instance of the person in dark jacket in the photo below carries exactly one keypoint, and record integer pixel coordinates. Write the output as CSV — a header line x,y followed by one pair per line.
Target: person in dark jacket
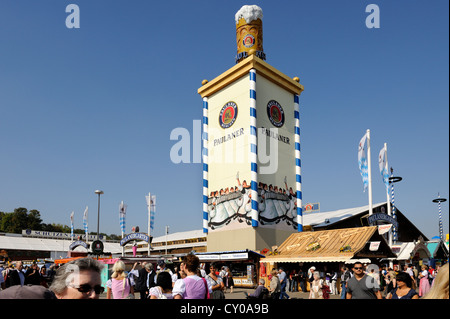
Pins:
x,y
15,276
33,276
145,279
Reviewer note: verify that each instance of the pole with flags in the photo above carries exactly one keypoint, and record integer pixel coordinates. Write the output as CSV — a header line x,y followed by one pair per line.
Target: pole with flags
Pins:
x,y
384,170
71,226
151,208
85,223
364,164
122,215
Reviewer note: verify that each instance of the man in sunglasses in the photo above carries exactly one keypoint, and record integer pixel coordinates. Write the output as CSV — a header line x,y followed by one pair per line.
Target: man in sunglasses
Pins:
x,y
362,286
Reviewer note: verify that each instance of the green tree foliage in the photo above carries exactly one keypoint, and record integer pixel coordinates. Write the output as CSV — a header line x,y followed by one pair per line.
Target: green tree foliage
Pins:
x,y
21,218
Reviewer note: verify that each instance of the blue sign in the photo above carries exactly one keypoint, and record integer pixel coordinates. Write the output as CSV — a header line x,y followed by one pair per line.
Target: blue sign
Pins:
x,y
77,243
381,216
134,236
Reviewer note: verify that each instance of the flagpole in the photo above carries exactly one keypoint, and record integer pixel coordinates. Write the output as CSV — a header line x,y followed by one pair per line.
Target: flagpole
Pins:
x,y
369,173
71,226
121,228
388,200
85,223
149,202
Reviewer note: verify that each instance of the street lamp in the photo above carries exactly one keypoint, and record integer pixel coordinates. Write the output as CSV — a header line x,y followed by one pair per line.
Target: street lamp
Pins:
x,y
98,192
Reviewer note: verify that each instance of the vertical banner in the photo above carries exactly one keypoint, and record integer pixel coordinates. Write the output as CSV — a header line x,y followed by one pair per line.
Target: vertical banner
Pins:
x,y
85,222
151,207
71,225
365,166
122,214
382,162
152,212
362,161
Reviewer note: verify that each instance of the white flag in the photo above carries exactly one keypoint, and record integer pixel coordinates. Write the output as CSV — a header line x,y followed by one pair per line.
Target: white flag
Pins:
x,y
85,221
151,205
362,161
71,224
152,212
383,166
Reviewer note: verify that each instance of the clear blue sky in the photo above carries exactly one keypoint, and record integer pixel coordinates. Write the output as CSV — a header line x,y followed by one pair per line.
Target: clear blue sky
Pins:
x,y
93,108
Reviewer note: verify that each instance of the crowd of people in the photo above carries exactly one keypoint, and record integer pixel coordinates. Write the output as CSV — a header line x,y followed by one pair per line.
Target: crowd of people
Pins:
x,y
360,282
19,274
81,279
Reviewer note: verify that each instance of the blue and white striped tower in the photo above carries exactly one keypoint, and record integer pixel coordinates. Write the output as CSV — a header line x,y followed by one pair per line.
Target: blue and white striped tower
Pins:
x,y
205,164
253,149
441,230
440,200
298,165
394,229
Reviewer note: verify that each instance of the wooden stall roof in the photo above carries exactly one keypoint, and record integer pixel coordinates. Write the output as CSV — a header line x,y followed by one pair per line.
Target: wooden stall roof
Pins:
x,y
337,245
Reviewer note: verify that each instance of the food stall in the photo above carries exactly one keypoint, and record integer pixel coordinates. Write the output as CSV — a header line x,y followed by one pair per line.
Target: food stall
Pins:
x,y
243,264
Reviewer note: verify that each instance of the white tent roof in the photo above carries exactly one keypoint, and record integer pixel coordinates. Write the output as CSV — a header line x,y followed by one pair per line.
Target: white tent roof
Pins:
x,y
45,244
320,219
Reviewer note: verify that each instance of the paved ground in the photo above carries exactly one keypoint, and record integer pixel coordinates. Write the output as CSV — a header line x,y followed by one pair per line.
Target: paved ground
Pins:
x,y
238,293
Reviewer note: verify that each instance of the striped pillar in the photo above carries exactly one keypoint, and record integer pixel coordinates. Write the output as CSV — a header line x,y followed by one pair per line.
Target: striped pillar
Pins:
x,y
441,230
298,164
205,164
394,230
253,149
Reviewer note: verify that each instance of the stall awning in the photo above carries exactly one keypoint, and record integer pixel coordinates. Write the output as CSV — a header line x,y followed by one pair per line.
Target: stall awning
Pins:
x,y
234,255
336,245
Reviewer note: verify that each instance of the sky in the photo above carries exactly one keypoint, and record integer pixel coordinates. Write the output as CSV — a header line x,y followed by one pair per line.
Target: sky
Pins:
x,y
93,107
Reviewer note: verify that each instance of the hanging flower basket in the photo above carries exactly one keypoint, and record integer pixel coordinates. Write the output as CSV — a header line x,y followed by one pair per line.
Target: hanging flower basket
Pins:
x,y
345,249
313,246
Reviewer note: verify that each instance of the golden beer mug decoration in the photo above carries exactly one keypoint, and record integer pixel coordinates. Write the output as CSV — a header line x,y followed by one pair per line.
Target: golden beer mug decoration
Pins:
x,y
249,32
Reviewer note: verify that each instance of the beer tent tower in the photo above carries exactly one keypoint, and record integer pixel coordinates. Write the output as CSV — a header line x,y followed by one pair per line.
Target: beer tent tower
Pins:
x,y
251,148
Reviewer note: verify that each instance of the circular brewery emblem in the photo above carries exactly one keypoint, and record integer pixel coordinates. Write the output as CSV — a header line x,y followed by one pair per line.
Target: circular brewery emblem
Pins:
x,y
248,41
275,113
228,114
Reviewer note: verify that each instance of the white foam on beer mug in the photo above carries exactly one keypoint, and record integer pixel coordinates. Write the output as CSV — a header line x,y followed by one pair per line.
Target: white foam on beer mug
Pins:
x,y
249,13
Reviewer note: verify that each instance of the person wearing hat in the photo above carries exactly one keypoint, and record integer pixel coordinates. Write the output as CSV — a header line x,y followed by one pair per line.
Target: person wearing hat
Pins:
x,y
27,292
311,273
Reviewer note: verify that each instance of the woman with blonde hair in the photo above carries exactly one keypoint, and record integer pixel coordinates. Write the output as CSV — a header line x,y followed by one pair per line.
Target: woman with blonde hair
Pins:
x,y
424,284
439,290
119,286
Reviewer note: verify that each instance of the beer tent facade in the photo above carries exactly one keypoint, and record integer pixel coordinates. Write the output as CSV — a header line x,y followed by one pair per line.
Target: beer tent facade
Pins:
x,y
336,245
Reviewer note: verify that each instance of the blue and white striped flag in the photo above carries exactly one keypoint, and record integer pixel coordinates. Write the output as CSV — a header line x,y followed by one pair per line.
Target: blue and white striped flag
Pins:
x,y
85,222
362,161
151,206
122,214
382,161
152,212
71,224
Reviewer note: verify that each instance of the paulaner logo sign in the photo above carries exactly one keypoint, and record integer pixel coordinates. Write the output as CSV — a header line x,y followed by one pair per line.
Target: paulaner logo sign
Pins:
x,y
228,114
275,113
